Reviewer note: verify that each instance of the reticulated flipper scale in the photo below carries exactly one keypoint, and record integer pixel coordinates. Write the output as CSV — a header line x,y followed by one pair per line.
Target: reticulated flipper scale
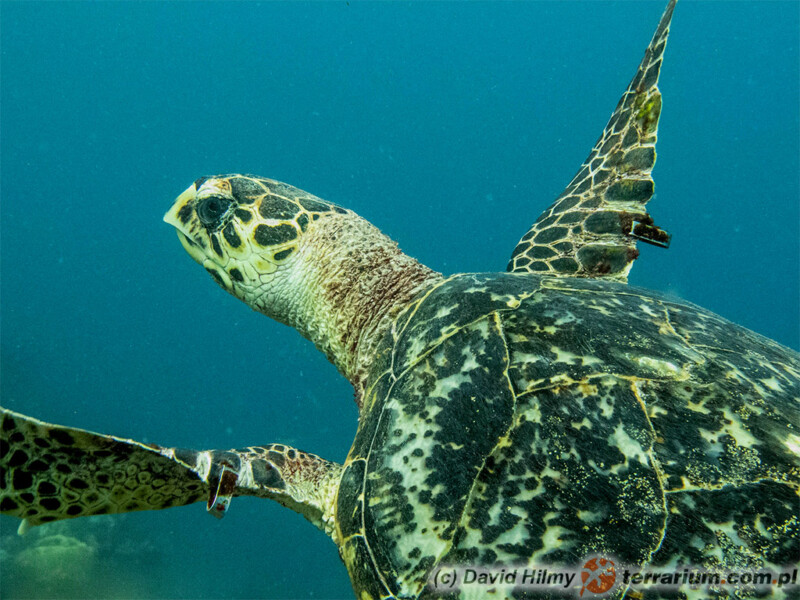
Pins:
x,y
592,227
50,472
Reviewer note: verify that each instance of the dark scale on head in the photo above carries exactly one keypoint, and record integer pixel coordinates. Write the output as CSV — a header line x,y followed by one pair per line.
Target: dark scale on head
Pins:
x,y
185,213
231,236
275,207
243,215
283,254
236,274
314,205
302,221
276,458
245,190
273,235
215,245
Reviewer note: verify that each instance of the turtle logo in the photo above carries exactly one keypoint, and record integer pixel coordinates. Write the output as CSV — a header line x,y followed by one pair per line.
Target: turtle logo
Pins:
x,y
598,575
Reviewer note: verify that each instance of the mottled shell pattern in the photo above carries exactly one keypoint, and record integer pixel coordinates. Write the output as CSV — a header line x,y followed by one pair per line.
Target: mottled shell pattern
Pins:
x,y
512,418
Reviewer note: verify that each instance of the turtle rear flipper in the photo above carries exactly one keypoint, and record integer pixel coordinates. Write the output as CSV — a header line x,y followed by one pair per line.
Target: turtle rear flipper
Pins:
x,y
50,472
592,227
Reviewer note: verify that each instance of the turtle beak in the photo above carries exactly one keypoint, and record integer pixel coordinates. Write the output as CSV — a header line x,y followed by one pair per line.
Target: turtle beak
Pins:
x,y
179,217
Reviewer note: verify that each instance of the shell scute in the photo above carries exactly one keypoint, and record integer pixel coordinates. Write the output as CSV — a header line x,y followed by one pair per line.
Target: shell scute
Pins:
x,y
450,409
561,485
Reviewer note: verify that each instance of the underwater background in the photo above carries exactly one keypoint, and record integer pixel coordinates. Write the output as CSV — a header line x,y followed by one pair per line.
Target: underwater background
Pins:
x,y
450,126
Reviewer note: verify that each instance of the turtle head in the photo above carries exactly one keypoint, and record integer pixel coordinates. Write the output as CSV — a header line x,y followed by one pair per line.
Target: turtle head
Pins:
x,y
301,260
245,231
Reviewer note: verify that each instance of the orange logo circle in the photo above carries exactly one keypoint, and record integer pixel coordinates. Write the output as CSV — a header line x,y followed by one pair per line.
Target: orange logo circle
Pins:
x,y
598,575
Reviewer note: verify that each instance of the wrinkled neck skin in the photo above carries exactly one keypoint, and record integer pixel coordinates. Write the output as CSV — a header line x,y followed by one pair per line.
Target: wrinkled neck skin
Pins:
x,y
348,284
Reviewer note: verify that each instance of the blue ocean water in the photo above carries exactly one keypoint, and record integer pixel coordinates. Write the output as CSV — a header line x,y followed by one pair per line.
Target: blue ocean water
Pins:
x,y
449,125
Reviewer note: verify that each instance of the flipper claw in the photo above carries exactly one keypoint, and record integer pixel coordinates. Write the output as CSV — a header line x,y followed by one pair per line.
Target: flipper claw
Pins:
x,y
650,234
219,500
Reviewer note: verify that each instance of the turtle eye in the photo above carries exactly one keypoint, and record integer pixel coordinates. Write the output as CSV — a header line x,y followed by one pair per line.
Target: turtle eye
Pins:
x,y
211,209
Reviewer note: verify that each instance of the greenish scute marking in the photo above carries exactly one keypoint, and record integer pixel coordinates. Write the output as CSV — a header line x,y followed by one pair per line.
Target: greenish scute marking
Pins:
x,y
370,584
350,508
449,306
452,408
752,527
573,478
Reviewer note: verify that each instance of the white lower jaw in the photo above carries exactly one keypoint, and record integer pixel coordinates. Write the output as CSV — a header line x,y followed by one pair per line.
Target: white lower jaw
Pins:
x,y
211,266
201,258
192,249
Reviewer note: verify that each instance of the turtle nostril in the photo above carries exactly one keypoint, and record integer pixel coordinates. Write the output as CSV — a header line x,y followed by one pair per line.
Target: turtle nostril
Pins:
x,y
211,209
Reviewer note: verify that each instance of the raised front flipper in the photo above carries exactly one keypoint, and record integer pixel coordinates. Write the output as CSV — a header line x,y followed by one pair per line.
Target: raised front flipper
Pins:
x,y
592,227
50,472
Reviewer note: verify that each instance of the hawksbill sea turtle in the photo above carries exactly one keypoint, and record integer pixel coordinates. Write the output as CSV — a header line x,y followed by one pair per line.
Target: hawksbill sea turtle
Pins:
x,y
540,416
